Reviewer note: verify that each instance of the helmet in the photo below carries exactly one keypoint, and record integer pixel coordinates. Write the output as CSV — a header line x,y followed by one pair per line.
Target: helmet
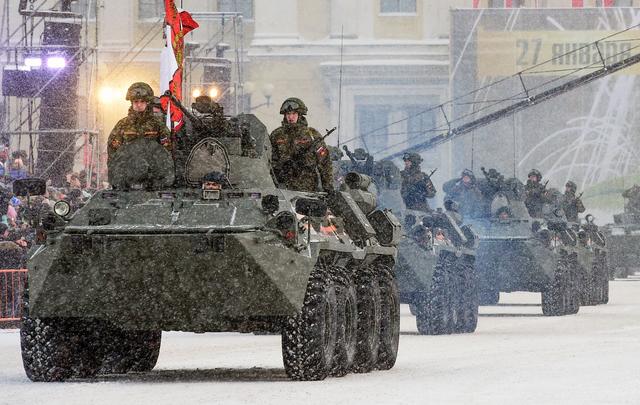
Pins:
x,y
293,104
360,154
140,91
203,105
335,153
571,186
467,172
535,172
412,157
451,205
156,102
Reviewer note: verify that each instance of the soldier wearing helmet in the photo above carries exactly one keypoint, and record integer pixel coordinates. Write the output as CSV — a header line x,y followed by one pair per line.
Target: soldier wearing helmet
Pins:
x,y
535,194
465,191
296,164
416,186
140,121
571,204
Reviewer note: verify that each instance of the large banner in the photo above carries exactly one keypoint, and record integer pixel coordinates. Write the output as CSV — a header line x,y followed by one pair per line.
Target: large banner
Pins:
x,y
589,134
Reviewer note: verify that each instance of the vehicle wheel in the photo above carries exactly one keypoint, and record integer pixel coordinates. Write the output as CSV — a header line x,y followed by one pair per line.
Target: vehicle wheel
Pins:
x,y
56,349
559,297
573,289
347,326
369,313
129,350
488,297
413,309
467,307
435,314
309,338
389,319
603,278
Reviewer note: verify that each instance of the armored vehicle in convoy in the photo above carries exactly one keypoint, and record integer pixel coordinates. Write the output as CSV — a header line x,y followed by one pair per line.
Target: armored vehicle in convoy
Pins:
x,y
520,253
217,247
435,271
593,262
435,266
623,237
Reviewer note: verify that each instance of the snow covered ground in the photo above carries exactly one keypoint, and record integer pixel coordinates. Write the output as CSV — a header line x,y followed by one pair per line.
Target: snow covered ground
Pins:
x,y
516,356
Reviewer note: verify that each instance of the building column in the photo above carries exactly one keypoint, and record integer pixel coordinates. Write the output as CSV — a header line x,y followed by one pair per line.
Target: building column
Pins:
x,y
343,16
276,20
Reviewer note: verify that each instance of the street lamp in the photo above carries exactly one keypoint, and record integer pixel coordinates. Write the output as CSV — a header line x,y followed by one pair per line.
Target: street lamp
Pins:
x,y
267,92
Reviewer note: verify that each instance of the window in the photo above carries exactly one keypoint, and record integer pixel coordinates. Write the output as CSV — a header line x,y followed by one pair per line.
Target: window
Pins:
x,y
373,121
244,7
506,3
150,9
86,8
614,3
398,6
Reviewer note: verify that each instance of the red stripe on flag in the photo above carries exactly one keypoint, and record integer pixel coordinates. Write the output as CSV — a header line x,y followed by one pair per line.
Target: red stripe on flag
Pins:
x,y
508,3
476,3
608,3
577,3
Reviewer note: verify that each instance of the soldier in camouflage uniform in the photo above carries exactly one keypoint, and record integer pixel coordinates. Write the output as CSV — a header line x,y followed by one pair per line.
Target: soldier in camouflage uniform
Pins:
x,y
632,195
297,163
571,204
416,186
140,122
535,194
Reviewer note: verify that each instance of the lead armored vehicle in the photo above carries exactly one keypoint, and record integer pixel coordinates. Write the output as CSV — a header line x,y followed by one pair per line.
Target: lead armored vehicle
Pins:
x,y
520,253
216,248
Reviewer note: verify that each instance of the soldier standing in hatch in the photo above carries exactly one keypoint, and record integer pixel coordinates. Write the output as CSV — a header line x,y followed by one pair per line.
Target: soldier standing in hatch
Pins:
x,y
296,164
536,194
465,192
140,122
571,205
416,186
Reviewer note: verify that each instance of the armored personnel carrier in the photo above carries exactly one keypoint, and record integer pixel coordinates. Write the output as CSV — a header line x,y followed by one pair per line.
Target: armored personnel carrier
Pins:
x,y
216,248
520,253
624,237
436,275
592,255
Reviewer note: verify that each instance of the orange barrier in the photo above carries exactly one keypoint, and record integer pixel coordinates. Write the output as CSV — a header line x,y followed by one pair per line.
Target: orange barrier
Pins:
x,y
12,283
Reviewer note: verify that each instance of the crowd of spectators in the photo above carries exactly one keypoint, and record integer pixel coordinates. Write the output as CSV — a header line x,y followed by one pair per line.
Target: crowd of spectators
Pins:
x,y
16,231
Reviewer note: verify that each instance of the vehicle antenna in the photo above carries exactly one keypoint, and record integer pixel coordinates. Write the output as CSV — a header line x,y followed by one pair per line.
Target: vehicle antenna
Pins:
x,y
340,84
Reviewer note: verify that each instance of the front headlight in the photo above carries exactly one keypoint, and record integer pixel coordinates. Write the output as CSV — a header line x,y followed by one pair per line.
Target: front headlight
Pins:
x,y
62,208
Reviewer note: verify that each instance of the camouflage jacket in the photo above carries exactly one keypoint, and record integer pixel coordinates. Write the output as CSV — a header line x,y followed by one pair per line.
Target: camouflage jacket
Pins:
x,y
535,197
416,188
572,206
295,165
138,125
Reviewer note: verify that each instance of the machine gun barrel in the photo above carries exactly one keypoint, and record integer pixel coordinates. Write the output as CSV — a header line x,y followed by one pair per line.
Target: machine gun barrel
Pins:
x,y
349,154
194,120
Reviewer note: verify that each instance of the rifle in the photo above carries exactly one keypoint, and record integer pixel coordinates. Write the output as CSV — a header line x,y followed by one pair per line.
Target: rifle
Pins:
x,y
288,166
432,173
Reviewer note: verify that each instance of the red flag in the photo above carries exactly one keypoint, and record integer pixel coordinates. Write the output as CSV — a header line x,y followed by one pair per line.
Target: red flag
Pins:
x,y
177,25
577,3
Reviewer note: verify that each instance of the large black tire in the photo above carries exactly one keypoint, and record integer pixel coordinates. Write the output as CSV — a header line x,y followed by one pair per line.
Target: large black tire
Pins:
x,y
389,319
436,315
603,278
56,349
309,338
347,322
488,296
561,297
467,305
129,351
369,314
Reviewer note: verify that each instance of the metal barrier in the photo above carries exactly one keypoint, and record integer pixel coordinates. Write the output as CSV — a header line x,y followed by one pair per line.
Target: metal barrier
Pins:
x,y
12,284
